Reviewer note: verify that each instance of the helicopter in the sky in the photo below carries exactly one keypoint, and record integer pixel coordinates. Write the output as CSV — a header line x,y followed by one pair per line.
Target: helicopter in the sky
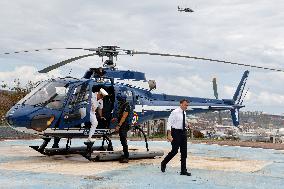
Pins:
x,y
185,9
52,109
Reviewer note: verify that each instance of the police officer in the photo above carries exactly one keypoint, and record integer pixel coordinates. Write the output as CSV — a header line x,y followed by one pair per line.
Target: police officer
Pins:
x,y
123,126
177,135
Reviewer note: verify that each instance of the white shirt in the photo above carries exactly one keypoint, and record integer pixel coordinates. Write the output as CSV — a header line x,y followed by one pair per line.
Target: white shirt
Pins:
x,y
97,103
94,102
176,119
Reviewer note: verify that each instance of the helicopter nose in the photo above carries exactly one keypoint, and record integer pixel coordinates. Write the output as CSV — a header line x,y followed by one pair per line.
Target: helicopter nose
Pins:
x,y
15,120
37,119
19,116
9,120
9,117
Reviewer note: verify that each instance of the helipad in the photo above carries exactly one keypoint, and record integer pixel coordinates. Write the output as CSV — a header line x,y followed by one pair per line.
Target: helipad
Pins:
x,y
212,166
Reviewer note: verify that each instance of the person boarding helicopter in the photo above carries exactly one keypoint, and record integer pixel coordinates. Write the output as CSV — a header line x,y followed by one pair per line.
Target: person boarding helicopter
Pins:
x,y
96,104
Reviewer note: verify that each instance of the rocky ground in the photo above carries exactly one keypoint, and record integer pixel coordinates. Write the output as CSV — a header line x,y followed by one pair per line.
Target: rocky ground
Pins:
x,y
7,132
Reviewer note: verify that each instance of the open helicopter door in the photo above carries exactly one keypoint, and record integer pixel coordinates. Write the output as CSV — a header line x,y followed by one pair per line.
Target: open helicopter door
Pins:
x,y
77,109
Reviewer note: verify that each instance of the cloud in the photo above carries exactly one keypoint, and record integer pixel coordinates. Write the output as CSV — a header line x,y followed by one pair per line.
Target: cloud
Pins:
x,y
229,91
249,32
184,86
25,74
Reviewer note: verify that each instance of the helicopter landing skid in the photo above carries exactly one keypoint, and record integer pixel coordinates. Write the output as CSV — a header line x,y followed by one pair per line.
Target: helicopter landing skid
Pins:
x,y
117,155
83,150
102,153
41,148
89,148
110,155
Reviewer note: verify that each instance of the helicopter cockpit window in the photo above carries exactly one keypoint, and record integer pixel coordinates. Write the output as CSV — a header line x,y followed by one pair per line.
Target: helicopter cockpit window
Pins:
x,y
79,99
50,95
38,87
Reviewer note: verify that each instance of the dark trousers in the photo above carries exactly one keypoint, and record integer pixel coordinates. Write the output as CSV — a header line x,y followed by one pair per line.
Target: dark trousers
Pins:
x,y
179,141
122,136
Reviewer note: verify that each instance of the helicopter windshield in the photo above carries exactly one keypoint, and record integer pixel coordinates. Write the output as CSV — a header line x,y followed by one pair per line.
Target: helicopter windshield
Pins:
x,y
48,94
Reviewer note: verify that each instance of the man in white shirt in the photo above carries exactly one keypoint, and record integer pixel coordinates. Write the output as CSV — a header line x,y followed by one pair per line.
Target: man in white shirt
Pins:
x,y
177,135
96,103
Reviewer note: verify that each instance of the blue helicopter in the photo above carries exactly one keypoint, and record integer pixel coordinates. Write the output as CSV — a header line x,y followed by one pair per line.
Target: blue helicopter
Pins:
x,y
185,9
52,109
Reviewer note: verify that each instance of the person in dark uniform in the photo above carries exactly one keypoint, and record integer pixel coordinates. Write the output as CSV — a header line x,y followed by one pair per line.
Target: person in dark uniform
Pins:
x,y
99,72
123,126
177,135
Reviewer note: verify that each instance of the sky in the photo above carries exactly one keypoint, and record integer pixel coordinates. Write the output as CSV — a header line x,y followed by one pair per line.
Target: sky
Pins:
x,y
249,32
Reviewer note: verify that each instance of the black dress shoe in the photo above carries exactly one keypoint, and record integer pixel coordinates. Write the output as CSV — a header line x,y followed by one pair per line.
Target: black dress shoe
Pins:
x,y
163,167
185,173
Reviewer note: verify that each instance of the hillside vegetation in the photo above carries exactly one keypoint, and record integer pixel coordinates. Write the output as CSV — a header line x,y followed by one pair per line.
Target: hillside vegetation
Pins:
x,y
9,96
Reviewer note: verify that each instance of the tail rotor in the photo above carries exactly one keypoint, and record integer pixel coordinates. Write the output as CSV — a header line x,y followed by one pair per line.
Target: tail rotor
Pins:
x,y
238,100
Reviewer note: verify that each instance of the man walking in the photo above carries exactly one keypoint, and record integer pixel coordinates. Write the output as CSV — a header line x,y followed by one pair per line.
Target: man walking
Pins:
x,y
177,135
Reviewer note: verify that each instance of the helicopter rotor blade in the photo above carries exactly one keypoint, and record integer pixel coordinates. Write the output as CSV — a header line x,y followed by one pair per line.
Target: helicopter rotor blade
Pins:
x,y
113,51
46,49
206,59
62,63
